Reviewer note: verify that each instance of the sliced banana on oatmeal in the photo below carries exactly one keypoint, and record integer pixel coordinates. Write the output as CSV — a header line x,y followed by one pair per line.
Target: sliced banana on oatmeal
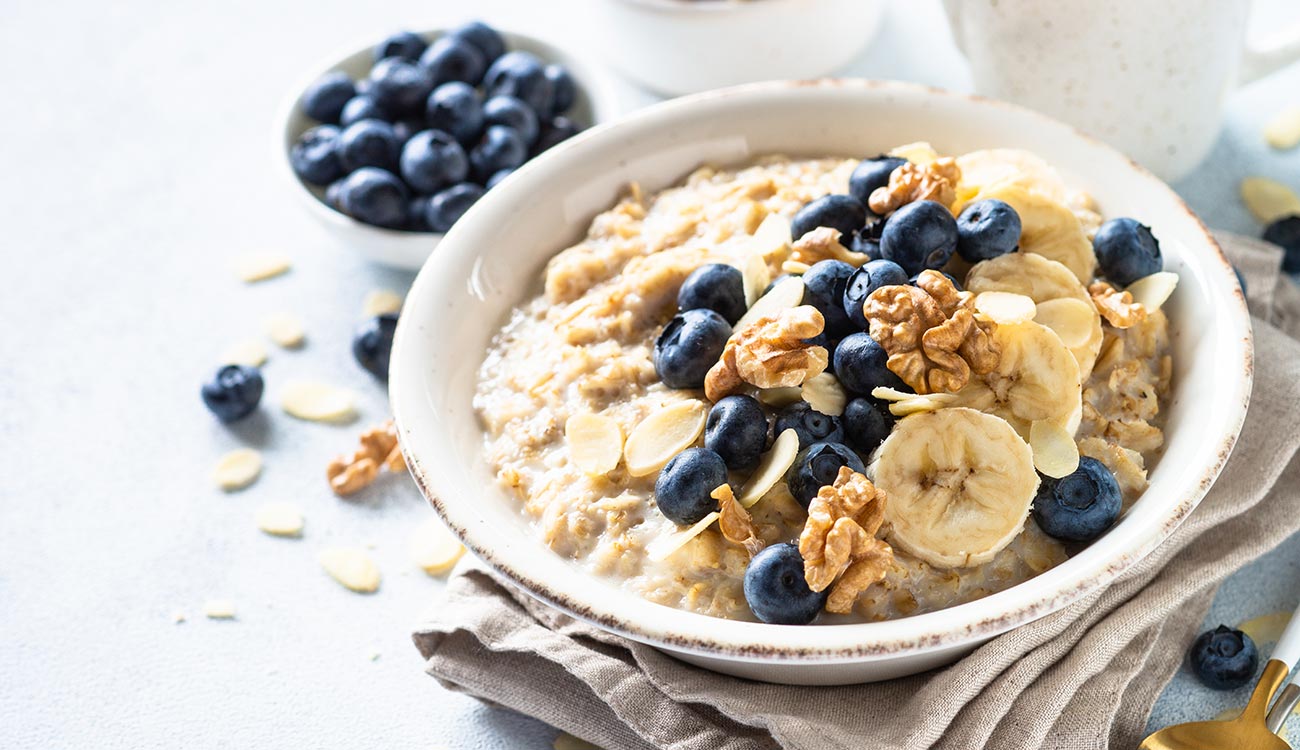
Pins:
x,y
990,166
1036,378
595,443
959,484
662,435
1048,228
1072,320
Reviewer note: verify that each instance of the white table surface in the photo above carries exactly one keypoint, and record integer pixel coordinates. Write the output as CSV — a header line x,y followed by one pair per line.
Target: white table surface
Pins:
x,y
133,168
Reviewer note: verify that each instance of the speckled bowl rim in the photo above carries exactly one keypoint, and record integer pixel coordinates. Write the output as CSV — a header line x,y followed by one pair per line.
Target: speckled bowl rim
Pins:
x,y
965,624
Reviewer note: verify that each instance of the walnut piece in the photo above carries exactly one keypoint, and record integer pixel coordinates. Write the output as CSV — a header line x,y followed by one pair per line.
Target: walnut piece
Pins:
x,y
822,243
839,540
734,521
1118,308
933,334
936,181
770,353
379,448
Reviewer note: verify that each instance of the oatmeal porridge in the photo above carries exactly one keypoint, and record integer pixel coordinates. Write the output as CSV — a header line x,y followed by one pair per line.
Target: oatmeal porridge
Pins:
x,y
834,389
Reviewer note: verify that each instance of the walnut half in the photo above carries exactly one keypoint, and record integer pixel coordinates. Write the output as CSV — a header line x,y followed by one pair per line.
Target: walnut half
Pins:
x,y
839,540
822,243
771,353
1118,308
935,181
379,448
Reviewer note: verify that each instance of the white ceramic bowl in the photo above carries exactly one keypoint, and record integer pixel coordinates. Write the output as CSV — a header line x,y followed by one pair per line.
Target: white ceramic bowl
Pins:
x,y
679,47
493,259
595,103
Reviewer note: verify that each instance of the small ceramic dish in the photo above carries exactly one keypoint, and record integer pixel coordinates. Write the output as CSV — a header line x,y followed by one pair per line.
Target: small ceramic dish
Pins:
x,y
401,249
493,259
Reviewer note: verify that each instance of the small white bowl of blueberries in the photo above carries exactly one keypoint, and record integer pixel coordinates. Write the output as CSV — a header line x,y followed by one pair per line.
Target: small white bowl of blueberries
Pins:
x,y
395,141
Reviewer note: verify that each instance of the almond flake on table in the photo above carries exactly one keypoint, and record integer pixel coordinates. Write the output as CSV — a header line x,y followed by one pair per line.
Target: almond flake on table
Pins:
x,y
219,609
1283,130
247,352
381,302
285,330
352,568
279,519
178,617
318,402
237,469
261,266
433,548
1268,200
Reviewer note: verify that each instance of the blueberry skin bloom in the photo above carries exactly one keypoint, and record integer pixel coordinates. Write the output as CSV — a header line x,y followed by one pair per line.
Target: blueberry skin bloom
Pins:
x,y
407,45
824,286
1126,251
513,113
717,287
817,466
842,212
233,393
872,174
315,157
776,589
1286,232
483,37
1081,506
500,148
688,346
920,235
809,424
683,490
522,75
324,98
447,206
737,431
369,143
453,59
987,229
1224,658
432,159
867,423
861,365
372,344
873,275
400,87
374,196
454,108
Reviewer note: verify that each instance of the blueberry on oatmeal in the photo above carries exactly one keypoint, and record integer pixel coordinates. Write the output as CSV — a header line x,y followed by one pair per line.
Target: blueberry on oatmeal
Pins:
x,y
987,229
233,393
872,174
714,286
688,346
809,424
684,487
860,364
867,423
373,343
817,466
1080,506
824,286
871,276
737,431
920,235
842,212
1224,658
776,590
1126,251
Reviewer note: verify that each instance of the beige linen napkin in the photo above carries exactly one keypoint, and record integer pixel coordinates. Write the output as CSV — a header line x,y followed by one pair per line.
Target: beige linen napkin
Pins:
x,y
1084,677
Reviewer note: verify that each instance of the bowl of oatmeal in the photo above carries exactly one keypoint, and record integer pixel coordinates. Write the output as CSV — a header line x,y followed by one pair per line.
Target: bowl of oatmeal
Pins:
x,y
821,382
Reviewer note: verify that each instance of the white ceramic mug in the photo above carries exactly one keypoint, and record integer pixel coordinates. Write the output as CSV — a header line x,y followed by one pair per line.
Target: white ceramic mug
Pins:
x,y
1147,76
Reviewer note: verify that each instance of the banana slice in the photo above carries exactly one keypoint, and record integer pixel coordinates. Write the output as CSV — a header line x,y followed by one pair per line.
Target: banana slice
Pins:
x,y
980,169
959,485
1036,379
1048,228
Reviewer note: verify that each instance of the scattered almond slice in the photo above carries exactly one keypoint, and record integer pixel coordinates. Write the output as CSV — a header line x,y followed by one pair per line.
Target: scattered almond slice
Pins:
x,y
248,352
771,468
237,469
219,609
1283,131
285,330
1071,319
595,443
780,397
665,546
786,294
318,402
279,519
1269,200
1152,291
433,548
903,404
663,435
178,617
352,568
1055,452
756,277
1005,308
381,302
566,741
825,394
261,266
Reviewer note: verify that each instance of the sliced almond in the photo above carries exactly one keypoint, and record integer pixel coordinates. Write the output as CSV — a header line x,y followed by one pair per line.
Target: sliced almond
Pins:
x,y
1055,452
786,294
772,238
1071,319
756,277
595,443
1283,131
664,546
825,394
279,519
664,434
318,402
1005,308
771,468
780,397
1269,200
381,302
237,469
902,403
219,609
433,548
1152,291
248,352
285,330
885,393
261,266
351,567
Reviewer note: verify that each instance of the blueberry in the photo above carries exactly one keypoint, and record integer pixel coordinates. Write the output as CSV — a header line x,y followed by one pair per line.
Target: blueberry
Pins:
x,y
1126,251
324,98
737,431
404,44
521,74
369,143
417,210
496,178
432,159
233,393
873,275
1224,658
453,59
482,36
372,344
1081,506
360,108
920,235
809,424
558,130
454,108
315,157
448,205
513,113
776,589
684,487
374,196
866,240
499,148
563,90
842,212
405,128
334,195
817,466
1286,233
717,287
872,174
955,283
688,346
860,365
824,286
400,87
867,423
987,229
